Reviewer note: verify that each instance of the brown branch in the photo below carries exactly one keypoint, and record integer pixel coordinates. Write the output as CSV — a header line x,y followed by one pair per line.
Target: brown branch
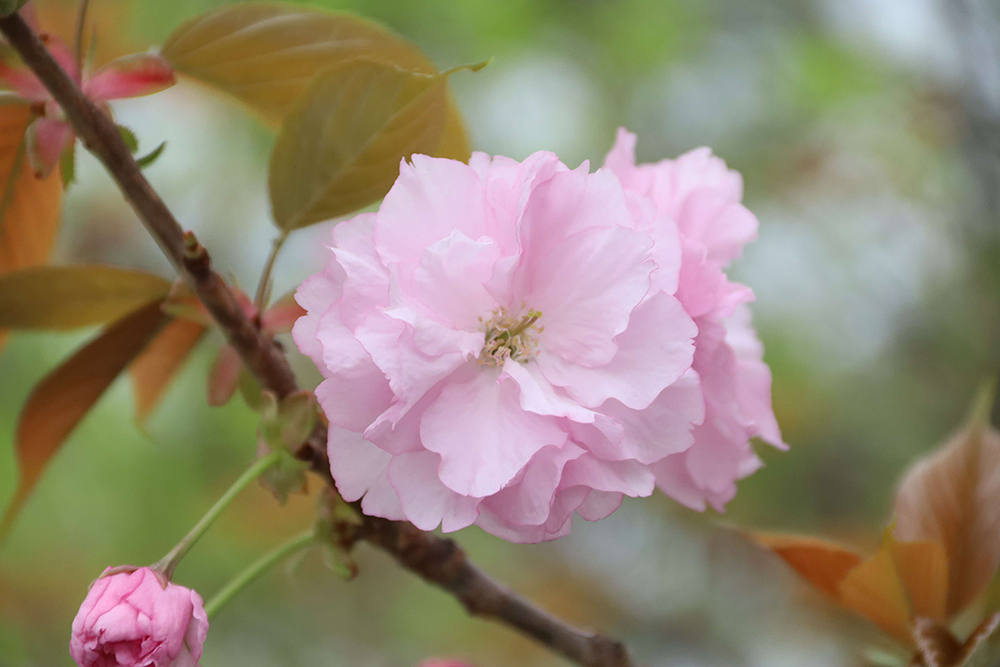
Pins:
x,y
437,560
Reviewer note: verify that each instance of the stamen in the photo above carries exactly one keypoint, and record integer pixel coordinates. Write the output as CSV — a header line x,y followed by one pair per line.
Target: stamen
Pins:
x,y
510,338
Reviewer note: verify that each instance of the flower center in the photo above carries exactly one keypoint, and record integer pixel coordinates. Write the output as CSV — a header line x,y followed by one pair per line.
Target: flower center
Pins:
x,y
510,337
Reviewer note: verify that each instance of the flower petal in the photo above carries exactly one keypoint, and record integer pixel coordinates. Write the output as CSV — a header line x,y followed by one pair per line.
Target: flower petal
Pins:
x,y
661,429
361,470
529,501
427,502
659,330
431,199
483,435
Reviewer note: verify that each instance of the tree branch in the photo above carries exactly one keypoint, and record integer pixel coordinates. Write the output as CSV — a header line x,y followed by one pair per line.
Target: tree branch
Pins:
x,y
439,561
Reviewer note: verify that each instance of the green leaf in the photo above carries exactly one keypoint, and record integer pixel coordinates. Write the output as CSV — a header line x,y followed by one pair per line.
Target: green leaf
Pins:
x,y
340,149
151,157
10,6
67,297
284,426
250,389
287,423
66,395
267,54
67,166
128,136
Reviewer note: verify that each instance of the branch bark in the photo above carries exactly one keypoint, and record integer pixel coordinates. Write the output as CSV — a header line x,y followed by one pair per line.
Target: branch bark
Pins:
x,y
439,561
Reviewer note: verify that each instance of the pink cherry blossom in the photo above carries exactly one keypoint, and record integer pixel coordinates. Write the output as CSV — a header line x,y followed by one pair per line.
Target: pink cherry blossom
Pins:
x,y
50,134
699,197
501,347
133,618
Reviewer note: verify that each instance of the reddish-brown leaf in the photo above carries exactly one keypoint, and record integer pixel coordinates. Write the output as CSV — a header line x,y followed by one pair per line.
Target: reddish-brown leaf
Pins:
x,y
953,497
66,395
28,227
923,569
876,591
224,377
154,368
821,563
31,216
281,316
936,645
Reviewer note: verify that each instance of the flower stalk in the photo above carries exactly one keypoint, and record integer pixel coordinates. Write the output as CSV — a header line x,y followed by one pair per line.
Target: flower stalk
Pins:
x,y
168,563
257,568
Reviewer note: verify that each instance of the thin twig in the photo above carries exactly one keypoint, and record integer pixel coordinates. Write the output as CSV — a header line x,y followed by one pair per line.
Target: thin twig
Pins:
x,y
437,560
263,286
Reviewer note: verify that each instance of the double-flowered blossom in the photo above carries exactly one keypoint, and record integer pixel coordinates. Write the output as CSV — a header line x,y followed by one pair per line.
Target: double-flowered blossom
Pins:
x,y
507,344
134,618
50,134
699,194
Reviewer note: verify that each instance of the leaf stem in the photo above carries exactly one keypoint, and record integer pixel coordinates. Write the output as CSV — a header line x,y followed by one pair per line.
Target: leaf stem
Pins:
x,y
81,22
257,568
265,276
168,563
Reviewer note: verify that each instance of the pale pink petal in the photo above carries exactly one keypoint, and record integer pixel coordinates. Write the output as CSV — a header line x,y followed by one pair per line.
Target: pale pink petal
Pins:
x,y
427,502
663,428
717,457
45,141
657,329
431,199
724,226
449,280
355,390
558,525
483,435
366,280
629,477
674,479
600,505
586,290
540,397
753,379
361,470
529,500
397,430
316,295
410,372
130,76
621,160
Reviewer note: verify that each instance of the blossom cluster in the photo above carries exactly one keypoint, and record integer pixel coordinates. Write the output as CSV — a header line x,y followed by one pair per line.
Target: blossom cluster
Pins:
x,y
508,343
135,617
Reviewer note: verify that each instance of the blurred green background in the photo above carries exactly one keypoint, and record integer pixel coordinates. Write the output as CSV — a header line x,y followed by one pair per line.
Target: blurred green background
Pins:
x,y
868,132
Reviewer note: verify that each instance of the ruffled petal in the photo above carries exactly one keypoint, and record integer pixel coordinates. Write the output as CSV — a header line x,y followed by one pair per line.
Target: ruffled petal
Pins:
x,y
658,329
426,502
431,199
482,433
360,470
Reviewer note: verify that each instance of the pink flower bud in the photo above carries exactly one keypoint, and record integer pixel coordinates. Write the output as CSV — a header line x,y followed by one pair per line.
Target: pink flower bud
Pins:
x,y
439,662
137,619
